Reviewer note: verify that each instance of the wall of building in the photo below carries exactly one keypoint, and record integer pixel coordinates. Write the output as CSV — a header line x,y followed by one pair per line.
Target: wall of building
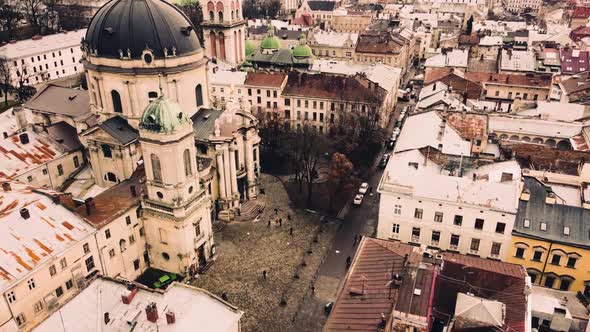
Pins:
x,y
391,203
511,92
47,175
350,22
122,162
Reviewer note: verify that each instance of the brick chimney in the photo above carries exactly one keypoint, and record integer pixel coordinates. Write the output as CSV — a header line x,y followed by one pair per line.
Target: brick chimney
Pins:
x,y
89,203
151,312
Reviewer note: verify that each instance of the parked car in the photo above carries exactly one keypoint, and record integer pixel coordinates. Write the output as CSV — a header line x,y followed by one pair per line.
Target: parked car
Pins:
x,y
394,137
390,144
384,161
328,307
363,188
358,199
396,130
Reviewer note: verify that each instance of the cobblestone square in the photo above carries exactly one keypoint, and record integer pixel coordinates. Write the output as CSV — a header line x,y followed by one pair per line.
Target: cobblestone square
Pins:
x,y
246,249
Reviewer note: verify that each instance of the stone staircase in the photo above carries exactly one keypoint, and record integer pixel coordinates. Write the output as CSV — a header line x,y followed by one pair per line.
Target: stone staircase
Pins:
x,y
251,210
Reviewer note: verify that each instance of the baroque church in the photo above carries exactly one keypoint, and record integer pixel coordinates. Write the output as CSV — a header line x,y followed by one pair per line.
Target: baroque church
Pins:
x,y
147,80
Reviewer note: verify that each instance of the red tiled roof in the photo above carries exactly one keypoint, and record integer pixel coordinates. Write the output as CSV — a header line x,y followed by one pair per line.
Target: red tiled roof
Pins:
x,y
380,43
372,267
580,32
511,79
456,79
335,87
111,203
469,125
581,12
507,269
265,79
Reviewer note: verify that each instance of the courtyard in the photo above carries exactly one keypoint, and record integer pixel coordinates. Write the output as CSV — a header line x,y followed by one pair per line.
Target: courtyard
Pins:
x,y
291,261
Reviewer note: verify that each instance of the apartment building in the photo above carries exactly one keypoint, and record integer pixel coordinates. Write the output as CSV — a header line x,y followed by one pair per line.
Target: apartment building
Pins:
x,y
263,91
351,20
520,6
475,204
44,58
332,45
48,254
397,49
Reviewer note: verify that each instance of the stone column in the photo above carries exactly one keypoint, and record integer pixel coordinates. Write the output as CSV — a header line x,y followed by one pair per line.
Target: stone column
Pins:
x,y
95,160
226,169
249,159
232,167
132,107
99,91
220,171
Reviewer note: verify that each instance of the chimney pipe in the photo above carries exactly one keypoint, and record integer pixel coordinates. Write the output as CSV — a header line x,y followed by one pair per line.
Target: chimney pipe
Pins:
x,y
133,191
24,212
151,312
24,138
170,318
6,186
55,199
89,203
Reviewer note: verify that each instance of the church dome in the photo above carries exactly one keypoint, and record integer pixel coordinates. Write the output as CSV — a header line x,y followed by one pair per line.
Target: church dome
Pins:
x,y
136,25
163,116
250,47
302,50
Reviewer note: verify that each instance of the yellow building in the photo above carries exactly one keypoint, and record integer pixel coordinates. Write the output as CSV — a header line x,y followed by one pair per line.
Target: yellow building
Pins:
x,y
551,236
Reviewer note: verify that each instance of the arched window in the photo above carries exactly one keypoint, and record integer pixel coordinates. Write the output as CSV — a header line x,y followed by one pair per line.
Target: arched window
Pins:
x,y
117,106
152,95
188,168
211,16
123,245
220,16
213,39
199,95
111,177
219,8
232,15
156,168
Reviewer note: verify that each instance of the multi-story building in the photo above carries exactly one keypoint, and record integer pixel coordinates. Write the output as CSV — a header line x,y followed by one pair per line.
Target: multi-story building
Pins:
x,y
579,16
396,49
263,91
350,20
319,10
332,45
550,236
517,62
44,58
224,29
48,254
520,6
475,204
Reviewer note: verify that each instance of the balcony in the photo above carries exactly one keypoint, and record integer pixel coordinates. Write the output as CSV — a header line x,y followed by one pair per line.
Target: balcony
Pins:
x,y
415,238
394,236
434,243
454,247
474,251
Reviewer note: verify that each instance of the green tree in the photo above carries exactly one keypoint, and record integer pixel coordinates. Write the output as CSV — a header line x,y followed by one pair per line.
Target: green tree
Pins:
x,y
194,11
9,17
469,27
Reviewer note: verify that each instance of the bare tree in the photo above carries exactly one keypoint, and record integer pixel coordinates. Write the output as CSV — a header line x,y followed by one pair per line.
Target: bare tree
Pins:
x,y
341,181
5,78
33,10
313,144
70,17
9,17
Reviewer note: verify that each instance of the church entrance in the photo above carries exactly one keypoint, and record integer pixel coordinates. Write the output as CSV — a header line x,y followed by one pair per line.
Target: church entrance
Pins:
x,y
243,188
202,258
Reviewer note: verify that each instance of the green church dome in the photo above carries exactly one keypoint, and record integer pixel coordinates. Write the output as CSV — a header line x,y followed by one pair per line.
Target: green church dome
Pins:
x,y
302,51
270,43
250,47
163,116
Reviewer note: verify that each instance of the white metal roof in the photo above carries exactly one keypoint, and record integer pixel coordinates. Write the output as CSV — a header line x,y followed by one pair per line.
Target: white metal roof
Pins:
x,y
332,38
29,47
384,75
533,126
518,61
227,77
194,309
26,244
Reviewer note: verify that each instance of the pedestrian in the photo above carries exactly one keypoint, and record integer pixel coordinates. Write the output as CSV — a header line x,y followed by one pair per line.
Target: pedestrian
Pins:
x,y
291,231
224,296
348,261
280,221
264,274
269,223
276,211
289,217
312,289
354,242
276,221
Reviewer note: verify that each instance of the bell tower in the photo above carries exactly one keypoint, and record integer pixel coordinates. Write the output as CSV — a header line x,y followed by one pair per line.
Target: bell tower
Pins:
x,y
176,208
224,29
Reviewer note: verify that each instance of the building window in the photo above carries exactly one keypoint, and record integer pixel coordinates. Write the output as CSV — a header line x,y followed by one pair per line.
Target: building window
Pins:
x,y
156,168
438,216
20,320
397,209
549,281
86,248
566,230
30,178
555,259
537,255
474,245
415,234
63,263
543,226
38,307
76,162
107,233
31,283
454,241
435,237
199,95
479,224
395,229
131,239
106,151
274,94
526,223
571,262
152,95
60,170
496,249
69,284
59,291
128,220
267,93
117,105
458,221
519,253
142,232
500,228
89,263
418,213
52,270
11,297
188,170
136,264
564,285
112,253
306,102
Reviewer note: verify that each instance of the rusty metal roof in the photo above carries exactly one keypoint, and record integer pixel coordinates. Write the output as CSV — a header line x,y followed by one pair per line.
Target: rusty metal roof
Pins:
x,y
27,244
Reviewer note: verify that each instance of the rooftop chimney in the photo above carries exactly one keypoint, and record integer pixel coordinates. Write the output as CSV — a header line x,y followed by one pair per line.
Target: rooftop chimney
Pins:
x,y
131,292
24,212
89,202
151,312
133,191
19,114
170,318
6,186
55,199
24,138
550,199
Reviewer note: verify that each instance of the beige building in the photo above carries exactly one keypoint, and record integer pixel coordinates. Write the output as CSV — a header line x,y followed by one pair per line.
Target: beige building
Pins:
x,y
224,30
321,11
332,45
350,21
397,49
